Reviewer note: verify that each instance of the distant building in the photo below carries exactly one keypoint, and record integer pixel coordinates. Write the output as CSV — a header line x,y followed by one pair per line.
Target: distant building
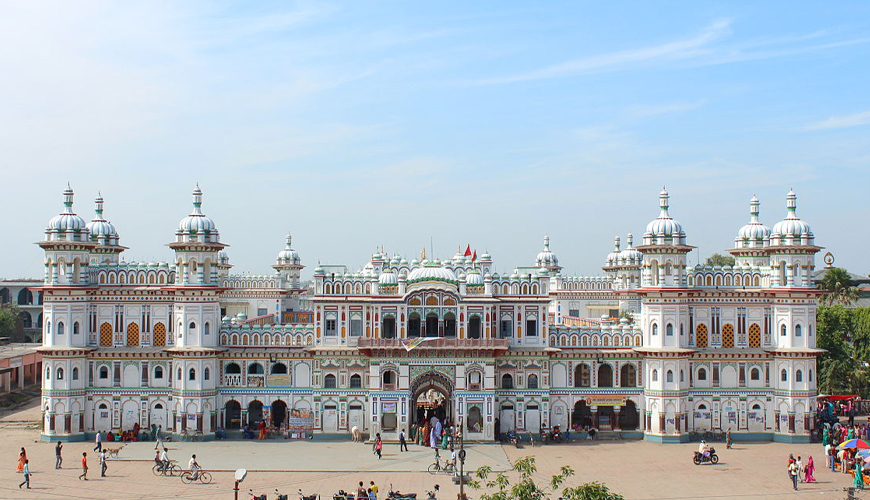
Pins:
x,y
20,292
188,346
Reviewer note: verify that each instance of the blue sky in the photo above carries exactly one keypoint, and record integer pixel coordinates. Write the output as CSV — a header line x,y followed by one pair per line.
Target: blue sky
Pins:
x,y
360,124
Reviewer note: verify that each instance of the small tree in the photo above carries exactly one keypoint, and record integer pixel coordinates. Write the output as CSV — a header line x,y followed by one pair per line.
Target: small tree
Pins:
x,y
10,321
842,290
717,259
527,489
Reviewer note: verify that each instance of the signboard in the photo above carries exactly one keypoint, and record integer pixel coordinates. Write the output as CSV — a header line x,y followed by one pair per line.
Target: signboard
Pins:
x,y
605,400
300,424
389,407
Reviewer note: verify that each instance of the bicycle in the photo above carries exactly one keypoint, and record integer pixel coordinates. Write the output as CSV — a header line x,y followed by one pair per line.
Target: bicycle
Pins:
x,y
173,469
190,476
448,467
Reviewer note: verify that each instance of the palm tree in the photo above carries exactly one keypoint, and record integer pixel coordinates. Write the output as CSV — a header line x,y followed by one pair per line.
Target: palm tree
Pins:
x,y
838,282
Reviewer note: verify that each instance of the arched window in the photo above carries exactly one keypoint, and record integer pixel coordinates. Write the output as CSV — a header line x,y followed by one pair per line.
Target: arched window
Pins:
x,y
797,330
669,376
60,374
329,381
782,331
60,328
682,377
755,374
104,372
783,375
191,375
47,373
702,374
206,329
811,375
799,376
532,381
76,373
655,329
158,372
233,369
507,381
582,377
255,369
669,330
178,374
206,374
191,326
655,376
76,328
355,382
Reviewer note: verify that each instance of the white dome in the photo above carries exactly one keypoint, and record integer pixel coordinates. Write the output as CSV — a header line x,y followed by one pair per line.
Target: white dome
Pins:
x,y
288,255
630,256
388,278
546,258
432,273
102,231
664,230
195,224
613,257
474,278
791,230
754,234
67,226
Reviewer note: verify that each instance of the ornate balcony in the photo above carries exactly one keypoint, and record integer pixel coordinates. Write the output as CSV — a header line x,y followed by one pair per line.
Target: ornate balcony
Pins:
x,y
432,343
233,380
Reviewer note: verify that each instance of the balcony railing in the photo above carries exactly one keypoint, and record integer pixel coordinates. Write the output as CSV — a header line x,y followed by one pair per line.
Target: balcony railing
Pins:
x,y
233,380
434,343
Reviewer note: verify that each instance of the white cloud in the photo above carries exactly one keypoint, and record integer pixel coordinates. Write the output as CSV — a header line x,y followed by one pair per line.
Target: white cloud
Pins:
x,y
844,121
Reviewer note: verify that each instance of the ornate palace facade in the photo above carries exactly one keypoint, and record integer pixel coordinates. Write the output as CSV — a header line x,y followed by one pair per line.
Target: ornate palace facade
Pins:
x,y
191,347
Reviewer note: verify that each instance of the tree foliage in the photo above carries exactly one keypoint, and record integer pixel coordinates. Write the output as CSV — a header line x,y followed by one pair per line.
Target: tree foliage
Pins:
x,y
717,259
10,323
842,290
845,335
526,488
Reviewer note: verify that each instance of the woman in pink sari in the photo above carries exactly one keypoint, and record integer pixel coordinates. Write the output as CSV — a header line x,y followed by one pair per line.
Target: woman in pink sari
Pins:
x,y
810,468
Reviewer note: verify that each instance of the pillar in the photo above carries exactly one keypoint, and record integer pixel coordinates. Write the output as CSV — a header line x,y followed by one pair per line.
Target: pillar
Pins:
x,y
616,412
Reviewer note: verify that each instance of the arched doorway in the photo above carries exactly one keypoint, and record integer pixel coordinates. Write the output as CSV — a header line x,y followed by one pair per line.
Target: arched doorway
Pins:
x,y
605,375
628,376
432,325
255,412
356,416
413,325
629,418
450,325
605,418
102,418
158,415
533,418
474,327
431,394
582,415
330,418
507,418
232,415
129,414
279,412
389,329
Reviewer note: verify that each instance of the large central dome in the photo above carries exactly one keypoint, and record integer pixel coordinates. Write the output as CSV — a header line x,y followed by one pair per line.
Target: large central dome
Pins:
x,y
429,272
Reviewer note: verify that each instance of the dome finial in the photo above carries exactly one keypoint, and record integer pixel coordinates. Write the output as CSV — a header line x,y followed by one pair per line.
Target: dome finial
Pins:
x,y
99,206
197,200
547,242
791,204
289,240
68,199
629,240
616,244
663,200
753,208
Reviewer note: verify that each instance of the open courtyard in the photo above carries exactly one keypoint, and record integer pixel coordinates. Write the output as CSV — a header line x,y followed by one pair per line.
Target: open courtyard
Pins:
x,y
636,469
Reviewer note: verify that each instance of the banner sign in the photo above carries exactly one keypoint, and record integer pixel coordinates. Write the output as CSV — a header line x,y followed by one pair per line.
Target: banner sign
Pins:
x,y
389,407
300,424
605,400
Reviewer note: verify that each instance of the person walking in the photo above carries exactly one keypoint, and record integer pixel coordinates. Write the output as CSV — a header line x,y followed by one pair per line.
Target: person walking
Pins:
x,y
858,483
379,445
800,469
158,437
793,473
22,457
403,445
103,465
98,443
26,475
728,441
58,459
84,475
811,467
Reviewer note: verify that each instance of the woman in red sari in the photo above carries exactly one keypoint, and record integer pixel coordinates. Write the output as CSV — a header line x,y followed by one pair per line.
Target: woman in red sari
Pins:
x,y
262,429
810,468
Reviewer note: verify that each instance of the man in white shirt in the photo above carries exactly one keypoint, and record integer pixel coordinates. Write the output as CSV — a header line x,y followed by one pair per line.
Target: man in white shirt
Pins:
x,y
193,466
164,457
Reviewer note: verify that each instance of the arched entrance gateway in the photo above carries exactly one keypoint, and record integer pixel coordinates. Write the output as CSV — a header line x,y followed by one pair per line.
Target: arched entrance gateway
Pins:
x,y
431,395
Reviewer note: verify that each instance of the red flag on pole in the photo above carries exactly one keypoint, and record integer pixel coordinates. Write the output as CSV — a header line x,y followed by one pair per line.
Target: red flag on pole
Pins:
x,y
467,251
474,257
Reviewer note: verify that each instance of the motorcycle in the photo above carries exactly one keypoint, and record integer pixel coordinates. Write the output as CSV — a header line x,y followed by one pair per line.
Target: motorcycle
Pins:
x,y
712,457
279,496
398,495
343,495
258,497
431,494
302,496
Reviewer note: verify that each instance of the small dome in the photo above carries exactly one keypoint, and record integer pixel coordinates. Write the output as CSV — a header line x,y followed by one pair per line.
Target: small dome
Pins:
x,y
102,231
388,278
630,256
486,256
67,226
474,278
791,230
195,224
613,257
546,257
664,230
432,272
754,234
288,256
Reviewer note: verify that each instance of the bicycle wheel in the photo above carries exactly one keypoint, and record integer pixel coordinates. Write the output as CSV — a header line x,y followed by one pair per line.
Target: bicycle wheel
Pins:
x,y
175,470
157,470
187,477
433,468
204,477
450,469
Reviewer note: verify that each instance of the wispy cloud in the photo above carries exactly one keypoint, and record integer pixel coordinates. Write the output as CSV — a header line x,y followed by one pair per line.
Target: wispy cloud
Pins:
x,y
649,111
843,121
681,49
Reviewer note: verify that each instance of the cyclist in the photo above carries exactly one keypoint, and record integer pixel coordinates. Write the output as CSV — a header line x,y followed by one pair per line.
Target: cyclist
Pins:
x,y
194,467
164,459
452,457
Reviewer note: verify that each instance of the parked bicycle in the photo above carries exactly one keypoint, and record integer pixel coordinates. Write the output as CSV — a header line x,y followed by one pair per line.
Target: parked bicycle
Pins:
x,y
447,467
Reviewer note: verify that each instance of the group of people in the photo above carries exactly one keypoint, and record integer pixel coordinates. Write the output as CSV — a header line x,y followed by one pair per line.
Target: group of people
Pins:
x,y
23,466
432,433
798,472
362,492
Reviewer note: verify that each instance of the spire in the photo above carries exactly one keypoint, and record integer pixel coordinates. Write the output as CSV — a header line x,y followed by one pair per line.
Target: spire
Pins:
x,y
197,201
663,203
629,240
791,204
546,242
68,199
753,209
99,207
616,244
289,241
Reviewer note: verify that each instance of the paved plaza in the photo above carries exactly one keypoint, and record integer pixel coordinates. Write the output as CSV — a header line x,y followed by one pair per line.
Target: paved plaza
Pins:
x,y
638,470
